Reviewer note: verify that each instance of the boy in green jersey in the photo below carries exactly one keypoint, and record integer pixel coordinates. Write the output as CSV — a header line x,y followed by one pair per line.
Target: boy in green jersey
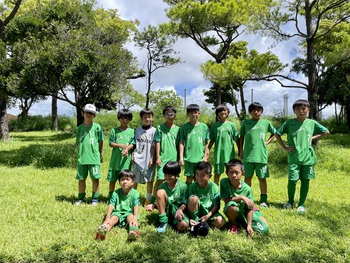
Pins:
x,y
204,200
89,137
171,199
121,139
255,152
167,142
223,133
239,204
193,147
301,155
123,208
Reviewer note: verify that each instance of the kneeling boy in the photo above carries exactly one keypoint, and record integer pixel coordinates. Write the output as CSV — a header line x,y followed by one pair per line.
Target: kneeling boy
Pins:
x,y
239,205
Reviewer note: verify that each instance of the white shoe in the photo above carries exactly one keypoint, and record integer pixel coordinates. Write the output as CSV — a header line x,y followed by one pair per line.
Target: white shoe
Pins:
x,y
287,206
263,204
301,210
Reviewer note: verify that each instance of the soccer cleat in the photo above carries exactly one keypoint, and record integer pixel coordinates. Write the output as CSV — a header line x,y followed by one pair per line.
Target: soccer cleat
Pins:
x,y
264,204
301,210
162,227
94,202
101,232
233,229
133,235
287,206
79,202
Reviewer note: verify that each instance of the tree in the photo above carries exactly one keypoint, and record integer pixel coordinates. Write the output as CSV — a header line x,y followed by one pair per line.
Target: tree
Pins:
x,y
301,19
160,54
7,13
215,24
78,49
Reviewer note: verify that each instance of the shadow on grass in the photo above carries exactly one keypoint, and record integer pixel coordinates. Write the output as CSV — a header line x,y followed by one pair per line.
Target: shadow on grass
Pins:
x,y
72,199
49,138
41,156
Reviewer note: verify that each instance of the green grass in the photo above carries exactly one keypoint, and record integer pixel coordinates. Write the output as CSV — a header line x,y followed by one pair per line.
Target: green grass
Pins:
x,y
40,223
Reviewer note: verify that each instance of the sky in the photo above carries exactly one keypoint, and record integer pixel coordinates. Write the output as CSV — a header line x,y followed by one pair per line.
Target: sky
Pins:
x,y
186,78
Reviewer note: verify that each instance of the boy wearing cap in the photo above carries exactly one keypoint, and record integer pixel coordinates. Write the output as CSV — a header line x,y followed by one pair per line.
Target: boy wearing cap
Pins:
x,y
89,137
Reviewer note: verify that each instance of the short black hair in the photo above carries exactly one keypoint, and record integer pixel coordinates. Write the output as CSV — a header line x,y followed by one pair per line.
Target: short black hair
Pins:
x,y
169,108
192,108
124,113
255,106
221,108
204,166
146,111
301,102
127,174
172,168
235,162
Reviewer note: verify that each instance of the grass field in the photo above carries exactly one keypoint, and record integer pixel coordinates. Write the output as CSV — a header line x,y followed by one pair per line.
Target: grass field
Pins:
x,y
40,223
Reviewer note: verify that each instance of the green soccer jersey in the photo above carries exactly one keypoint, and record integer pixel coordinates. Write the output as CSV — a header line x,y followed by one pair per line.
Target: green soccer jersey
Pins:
x,y
208,197
176,196
194,138
227,191
119,162
254,132
224,136
125,203
169,141
299,135
88,137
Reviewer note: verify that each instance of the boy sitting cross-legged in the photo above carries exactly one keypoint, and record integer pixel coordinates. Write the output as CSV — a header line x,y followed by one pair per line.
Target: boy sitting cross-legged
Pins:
x,y
204,199
171,199
239,205
123,208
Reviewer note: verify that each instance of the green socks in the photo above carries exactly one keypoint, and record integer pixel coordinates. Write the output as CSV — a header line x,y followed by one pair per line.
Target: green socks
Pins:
x,y
263,198
304,190
81,196
163,218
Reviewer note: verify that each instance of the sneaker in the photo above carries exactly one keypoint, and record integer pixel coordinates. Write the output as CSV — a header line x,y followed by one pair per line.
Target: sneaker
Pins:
x,y
147,202
301,210
162,227
101,233
287,206
79,202
94,202
133,235
264,204
233,229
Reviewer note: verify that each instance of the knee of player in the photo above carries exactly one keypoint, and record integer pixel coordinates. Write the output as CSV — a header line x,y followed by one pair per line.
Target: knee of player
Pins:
x,y
219,222
181,226
161,193
193,199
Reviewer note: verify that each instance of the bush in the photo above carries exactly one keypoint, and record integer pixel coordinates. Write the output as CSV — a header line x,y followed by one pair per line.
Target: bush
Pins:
x,y
41,123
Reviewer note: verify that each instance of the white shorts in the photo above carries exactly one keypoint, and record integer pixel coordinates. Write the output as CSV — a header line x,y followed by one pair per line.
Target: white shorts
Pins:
x,y
143,176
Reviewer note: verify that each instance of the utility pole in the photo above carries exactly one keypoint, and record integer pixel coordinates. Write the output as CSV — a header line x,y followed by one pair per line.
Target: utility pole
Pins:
x,y
251,95
285,104
185,94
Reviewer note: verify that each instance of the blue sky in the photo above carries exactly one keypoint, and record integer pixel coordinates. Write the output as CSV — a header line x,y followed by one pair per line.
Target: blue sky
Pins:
x,y
187,75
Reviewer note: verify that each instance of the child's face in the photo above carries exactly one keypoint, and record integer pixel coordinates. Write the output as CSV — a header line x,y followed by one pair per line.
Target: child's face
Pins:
x,y
234,174
124,121
193,116
126,182
256,114
147,119
88,116
169,116
223,114
301,111
170,178
202,178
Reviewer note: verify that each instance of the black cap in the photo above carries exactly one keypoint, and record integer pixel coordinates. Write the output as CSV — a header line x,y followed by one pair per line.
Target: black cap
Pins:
x,y
201,229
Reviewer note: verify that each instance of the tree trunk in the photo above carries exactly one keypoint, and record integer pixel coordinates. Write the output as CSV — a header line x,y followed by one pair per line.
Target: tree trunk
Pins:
x,y
241,94
4,126
54,121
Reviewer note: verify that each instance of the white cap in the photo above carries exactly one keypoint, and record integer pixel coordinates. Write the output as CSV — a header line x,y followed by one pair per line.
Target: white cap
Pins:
x,y
90,108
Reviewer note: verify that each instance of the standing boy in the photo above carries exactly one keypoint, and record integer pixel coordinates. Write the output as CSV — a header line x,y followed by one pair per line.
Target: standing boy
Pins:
x,y
193,147
123,208
301,155
223,133
255,153
143,155
121,139
204,200
167,142
89,137
239,205
171,199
